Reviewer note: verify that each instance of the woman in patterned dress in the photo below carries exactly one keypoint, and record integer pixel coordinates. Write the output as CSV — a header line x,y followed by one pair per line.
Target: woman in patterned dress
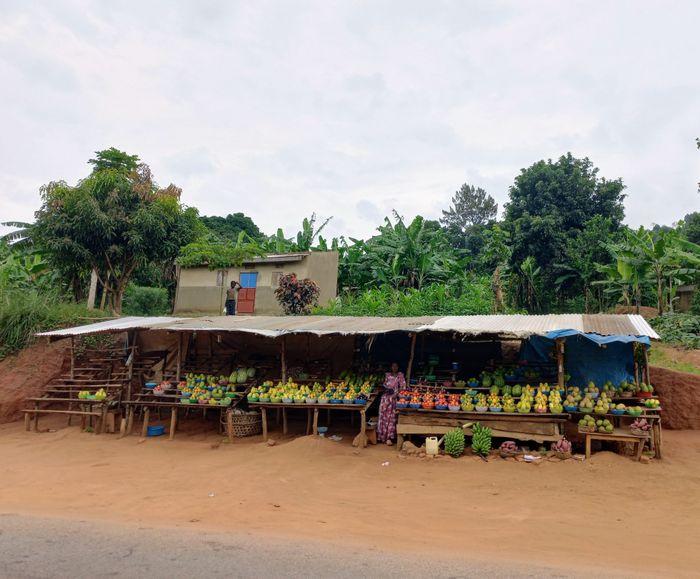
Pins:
x,y
386,427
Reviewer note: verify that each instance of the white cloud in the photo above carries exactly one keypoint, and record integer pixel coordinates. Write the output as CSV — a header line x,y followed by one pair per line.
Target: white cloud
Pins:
x,y
280,109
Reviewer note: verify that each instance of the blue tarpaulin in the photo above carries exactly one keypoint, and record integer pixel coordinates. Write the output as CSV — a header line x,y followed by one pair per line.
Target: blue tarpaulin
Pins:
x,y
588,357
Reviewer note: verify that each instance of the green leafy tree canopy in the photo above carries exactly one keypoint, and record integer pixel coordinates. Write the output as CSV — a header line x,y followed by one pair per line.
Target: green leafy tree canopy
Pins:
x,y
114,220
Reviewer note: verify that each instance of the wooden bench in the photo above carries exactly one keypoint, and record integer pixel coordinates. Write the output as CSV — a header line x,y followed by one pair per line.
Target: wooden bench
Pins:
x,y
537,427
616,437
35,412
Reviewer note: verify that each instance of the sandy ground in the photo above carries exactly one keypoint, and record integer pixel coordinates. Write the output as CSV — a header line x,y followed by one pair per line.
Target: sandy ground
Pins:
x,y
607,515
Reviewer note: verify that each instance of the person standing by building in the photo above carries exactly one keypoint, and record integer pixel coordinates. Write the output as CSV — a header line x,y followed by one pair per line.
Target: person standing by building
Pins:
x,y
231,296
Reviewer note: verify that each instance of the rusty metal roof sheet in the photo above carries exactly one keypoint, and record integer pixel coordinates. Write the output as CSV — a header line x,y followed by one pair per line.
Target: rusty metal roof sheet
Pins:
x,y
506,326
110,326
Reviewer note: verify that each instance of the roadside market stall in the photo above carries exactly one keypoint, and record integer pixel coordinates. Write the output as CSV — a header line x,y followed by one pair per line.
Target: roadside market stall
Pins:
x,y
527,377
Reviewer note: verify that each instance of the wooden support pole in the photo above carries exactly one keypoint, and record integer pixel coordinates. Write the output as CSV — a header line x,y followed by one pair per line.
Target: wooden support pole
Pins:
x,y
409,366
229,425
263,411
179,356
283,359
559,343
72,357
173,422
646,363
144,428
636,363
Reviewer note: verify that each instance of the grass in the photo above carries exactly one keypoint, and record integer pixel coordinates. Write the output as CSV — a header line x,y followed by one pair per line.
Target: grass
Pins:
x,y
24,313
665,356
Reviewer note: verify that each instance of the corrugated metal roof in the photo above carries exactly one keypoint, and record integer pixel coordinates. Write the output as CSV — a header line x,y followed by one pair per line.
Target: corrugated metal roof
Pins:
x,y
507,326
111,326
278,258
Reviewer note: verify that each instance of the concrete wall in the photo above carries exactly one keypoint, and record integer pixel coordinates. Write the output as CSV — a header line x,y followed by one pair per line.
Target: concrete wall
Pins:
x,y
201,290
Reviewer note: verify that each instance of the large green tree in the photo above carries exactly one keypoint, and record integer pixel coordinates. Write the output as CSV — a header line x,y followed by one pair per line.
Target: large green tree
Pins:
x,y
113,221
472,208
227,228
550,203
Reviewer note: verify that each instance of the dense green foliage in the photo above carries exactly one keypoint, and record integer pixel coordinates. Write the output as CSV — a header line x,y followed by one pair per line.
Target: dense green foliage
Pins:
x,y
216,254
146,301
470,298
680,329
559,247
112,221
471,211
24,313
229,228
551,206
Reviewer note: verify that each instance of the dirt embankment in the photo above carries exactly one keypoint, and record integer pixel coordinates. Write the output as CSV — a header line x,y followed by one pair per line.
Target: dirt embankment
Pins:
x,y
680,398
25,374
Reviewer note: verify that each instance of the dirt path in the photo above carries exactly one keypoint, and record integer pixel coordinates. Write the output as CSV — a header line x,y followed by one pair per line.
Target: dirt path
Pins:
x,y
608,514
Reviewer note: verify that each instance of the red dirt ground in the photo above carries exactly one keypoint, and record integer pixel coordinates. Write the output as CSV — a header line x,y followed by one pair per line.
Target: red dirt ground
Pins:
x,y
25,374
680,398
604,515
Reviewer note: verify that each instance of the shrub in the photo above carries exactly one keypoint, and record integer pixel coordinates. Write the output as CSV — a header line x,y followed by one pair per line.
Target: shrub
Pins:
x,y
24,313
680,329
471,298
296,296
146,301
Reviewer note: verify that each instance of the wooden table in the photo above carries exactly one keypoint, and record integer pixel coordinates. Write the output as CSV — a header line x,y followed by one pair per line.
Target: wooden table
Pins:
x,y
532,426
88,408
652,415
312,416
616,437
148,402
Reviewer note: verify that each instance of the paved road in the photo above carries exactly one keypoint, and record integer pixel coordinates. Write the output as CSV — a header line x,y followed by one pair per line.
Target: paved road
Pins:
x,y
37,547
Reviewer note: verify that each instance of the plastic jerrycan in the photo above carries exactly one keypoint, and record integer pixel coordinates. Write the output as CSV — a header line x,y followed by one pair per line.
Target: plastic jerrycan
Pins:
x,y
431,445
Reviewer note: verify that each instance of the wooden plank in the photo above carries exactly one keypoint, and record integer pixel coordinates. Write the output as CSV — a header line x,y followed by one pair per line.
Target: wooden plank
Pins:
x,y
283,360
144,427
263,412
173,423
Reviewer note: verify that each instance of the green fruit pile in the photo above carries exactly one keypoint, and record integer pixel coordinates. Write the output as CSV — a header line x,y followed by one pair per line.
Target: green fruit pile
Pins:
x,y
481,439
587,423
604,426
454,442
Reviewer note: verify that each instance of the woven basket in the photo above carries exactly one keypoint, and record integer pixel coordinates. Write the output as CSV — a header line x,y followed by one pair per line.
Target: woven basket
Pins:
x,y
249,424
562,455
587,430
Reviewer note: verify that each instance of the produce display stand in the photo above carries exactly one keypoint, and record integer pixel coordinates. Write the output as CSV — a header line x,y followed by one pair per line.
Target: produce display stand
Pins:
x,y
541,428
87,409
652,415
617,437
312,416
147,401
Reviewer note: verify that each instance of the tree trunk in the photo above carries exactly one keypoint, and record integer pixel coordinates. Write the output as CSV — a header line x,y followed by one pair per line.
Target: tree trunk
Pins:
x,y
497,290
659,294
586,306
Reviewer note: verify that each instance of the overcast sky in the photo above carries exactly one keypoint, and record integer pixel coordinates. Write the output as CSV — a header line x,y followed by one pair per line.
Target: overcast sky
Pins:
x,y
351,109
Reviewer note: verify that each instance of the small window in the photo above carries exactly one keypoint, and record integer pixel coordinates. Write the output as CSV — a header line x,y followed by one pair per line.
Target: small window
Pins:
x,y
276,276
220,278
